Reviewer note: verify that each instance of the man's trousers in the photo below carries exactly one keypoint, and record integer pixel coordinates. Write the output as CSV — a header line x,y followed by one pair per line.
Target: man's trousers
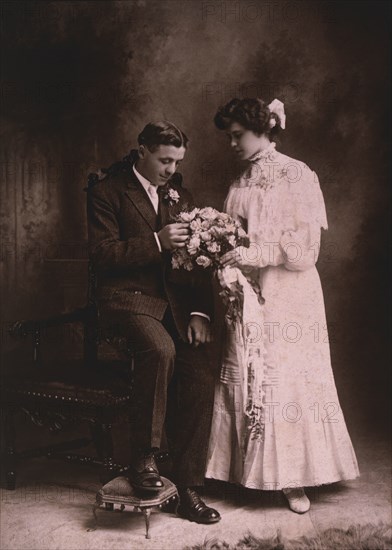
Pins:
x,y
170,374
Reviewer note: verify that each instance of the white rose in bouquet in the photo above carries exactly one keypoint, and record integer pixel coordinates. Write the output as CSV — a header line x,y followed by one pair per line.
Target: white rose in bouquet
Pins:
x,y
212,234
203,261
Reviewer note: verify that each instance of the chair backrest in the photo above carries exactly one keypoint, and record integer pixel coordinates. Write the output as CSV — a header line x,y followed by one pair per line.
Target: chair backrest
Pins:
x,y
88,315
93,331
116,168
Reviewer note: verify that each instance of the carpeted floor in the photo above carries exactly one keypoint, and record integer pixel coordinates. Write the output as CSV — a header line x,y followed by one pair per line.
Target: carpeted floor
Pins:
x,y
356,537
51,509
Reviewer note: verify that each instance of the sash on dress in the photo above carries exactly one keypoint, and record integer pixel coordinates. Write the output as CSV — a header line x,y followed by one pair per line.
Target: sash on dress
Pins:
x,y
244,361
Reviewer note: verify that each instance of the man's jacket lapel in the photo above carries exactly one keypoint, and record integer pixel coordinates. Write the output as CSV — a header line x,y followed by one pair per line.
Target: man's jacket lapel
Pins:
x,y
136,193
164,208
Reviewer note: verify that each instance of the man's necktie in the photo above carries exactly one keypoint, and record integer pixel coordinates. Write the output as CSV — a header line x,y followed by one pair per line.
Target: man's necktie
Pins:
x,y
152,191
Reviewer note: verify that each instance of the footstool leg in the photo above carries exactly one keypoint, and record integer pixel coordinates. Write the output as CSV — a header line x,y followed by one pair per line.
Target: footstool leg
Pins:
x,y
177,503
9,460
146,514
95,508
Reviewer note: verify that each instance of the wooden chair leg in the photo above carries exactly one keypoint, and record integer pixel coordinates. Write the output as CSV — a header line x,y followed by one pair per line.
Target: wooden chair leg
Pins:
x,y
96,435
8,474
103,442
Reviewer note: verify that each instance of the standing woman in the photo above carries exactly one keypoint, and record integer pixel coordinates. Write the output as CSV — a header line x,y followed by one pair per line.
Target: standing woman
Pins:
x,y
277,420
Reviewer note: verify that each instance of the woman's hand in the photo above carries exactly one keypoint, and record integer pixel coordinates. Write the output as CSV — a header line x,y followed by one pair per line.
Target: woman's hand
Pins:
x,y
239,257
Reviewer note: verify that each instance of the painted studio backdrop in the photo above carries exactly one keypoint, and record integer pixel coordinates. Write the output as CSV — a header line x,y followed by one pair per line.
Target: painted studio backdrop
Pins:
x,y
81,79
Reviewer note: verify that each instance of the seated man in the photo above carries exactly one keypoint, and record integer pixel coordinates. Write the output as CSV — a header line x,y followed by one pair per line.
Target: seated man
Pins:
x,y
165,313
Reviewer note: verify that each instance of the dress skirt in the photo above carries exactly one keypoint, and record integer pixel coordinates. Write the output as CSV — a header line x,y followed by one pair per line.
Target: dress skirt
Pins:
x,y
304,440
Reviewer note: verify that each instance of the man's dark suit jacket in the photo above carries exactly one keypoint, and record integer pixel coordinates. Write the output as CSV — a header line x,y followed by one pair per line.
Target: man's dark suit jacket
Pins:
x,y
132,273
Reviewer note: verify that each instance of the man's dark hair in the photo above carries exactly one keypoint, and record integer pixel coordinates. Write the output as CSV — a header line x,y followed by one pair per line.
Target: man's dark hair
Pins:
x,y
161,133
154,134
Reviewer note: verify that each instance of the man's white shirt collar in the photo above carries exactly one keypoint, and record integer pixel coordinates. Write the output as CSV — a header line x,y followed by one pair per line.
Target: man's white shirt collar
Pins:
x,y
144,181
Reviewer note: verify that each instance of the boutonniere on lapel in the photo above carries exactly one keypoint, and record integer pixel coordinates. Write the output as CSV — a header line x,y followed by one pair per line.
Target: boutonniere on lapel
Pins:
x,y
170,195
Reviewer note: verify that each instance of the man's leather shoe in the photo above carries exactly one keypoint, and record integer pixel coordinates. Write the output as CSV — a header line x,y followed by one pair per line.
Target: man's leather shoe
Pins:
x,y
193,508
144,475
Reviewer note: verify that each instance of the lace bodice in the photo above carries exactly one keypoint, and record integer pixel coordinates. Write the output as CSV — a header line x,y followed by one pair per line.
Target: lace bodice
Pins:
x,y
281,203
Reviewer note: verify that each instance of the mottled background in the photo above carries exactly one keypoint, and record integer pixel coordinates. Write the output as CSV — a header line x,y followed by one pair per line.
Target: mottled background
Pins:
x,y
79,81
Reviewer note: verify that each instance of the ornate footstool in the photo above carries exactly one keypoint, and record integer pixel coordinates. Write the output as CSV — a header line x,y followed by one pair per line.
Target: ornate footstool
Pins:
x,y
120,491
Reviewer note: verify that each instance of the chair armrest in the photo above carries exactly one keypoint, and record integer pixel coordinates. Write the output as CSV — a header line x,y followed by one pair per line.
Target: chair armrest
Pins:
x,y
22,328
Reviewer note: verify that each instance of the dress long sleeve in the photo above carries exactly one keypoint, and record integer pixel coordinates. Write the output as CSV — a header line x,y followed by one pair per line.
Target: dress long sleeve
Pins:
x,y
284,212
303,215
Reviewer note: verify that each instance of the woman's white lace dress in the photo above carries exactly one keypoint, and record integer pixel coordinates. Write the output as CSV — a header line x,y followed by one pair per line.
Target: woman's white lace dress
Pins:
x,y
301,439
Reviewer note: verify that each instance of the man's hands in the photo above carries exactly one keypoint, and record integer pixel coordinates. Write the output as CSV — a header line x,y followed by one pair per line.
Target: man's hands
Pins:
x,y
173,235
199,330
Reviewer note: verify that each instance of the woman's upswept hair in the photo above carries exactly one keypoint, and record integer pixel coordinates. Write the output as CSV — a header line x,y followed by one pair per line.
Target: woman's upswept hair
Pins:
x,y
162,132
252,113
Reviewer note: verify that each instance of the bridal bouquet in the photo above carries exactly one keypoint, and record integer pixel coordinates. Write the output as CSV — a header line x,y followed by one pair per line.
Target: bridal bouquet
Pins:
x,y
212,234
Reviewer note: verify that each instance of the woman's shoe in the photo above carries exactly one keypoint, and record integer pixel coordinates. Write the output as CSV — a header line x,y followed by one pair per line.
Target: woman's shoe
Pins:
x,y
297,499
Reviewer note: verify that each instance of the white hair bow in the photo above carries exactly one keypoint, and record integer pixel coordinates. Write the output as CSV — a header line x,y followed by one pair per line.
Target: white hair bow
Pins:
x,y
277,107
